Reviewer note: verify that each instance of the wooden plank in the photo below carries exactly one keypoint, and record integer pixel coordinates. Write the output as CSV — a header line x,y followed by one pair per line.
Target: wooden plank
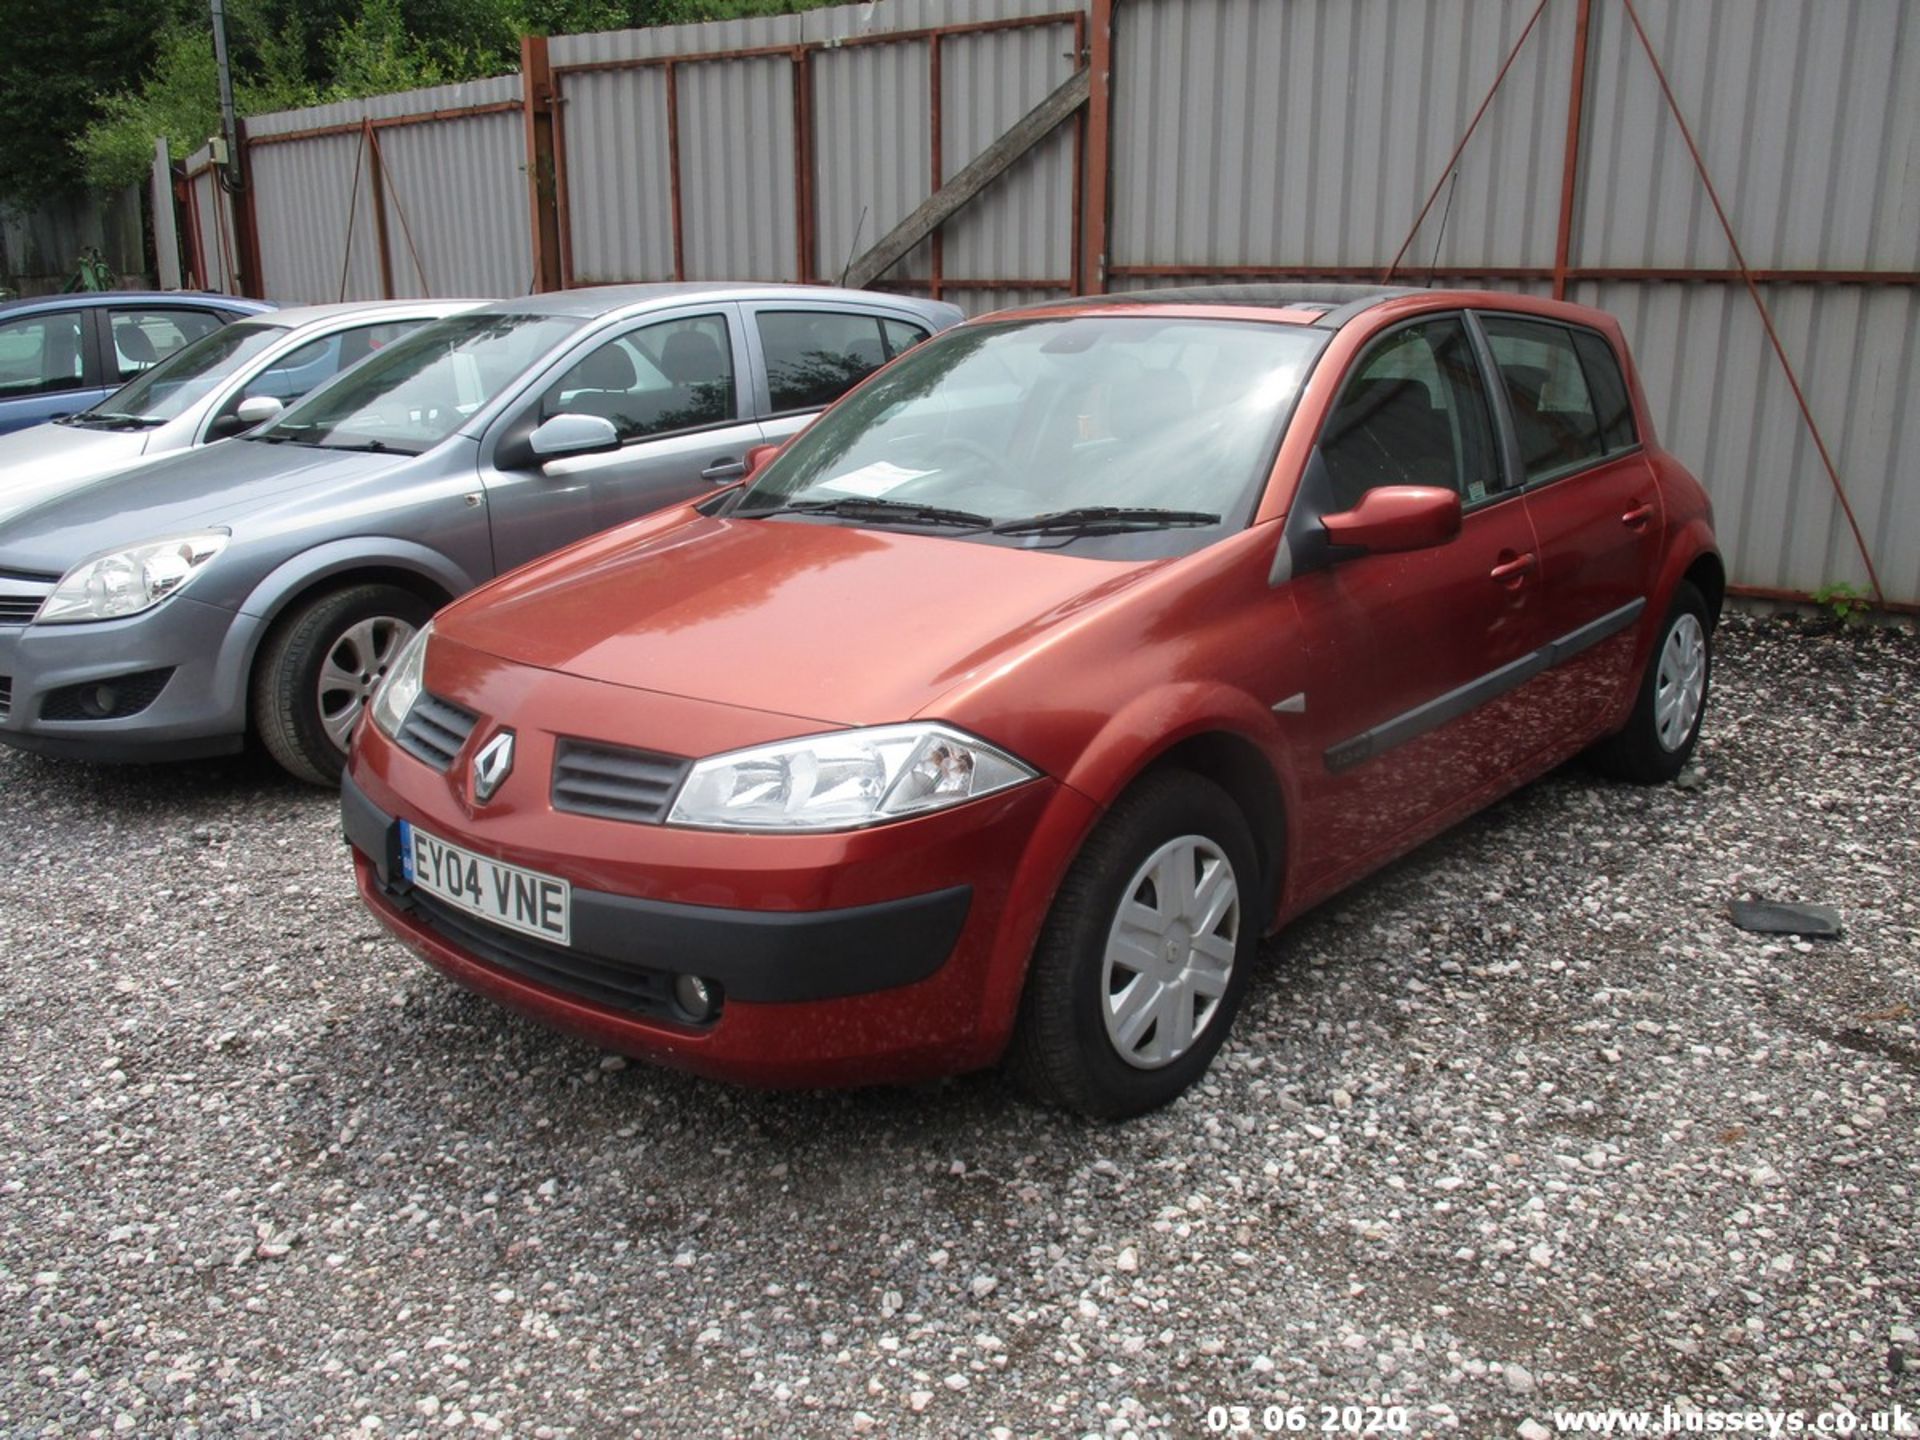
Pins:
x,y
975,176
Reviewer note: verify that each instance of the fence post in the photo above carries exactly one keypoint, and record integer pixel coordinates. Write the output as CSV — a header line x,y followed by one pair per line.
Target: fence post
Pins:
x,y
246,222
377,193
1570,166
1094,197
543,206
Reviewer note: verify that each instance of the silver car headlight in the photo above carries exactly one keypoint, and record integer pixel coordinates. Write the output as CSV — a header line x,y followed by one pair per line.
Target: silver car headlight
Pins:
x,y
844,780
401,688
125,582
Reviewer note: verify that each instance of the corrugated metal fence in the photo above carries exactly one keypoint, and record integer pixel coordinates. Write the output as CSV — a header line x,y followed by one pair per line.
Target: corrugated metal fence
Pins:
x,y
1225,139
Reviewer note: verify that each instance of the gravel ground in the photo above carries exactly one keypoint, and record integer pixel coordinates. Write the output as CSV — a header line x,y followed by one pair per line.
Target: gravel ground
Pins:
x,y
1523,1122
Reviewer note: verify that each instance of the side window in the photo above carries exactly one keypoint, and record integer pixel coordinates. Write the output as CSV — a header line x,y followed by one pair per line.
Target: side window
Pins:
x,y
1609,390
40,355
143,338
1553,411
901,337
1414,412
815,356
673,375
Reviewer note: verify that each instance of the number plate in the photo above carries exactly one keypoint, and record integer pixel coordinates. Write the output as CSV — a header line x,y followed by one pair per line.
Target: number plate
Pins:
x,y
524,900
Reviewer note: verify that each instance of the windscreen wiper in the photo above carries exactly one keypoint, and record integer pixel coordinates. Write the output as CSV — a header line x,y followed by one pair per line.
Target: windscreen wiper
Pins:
x,y
371,447
282,434
111,420
1103,520
864,507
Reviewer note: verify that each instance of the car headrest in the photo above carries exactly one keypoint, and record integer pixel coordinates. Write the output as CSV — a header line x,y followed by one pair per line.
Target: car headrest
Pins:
x,y
691,357
608,368
135,344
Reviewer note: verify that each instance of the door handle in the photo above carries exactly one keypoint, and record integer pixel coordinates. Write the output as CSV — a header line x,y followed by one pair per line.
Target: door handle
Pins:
x,y
724,470
1637,517
1513,570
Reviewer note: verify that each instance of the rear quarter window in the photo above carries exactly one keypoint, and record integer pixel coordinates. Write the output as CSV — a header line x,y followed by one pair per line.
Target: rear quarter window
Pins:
x,y
1609,390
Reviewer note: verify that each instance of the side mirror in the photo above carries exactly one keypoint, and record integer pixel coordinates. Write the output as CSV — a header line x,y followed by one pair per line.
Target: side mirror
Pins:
x,y
1396,517
573,435
257,410
759,457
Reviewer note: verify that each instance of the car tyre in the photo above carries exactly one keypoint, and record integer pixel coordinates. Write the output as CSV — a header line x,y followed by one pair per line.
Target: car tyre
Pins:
x,y
320,666
1079,1041
1659,737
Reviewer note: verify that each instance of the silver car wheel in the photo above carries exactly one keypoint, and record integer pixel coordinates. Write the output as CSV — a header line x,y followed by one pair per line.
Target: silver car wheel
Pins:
x,y
356,663
1170,952
1680,684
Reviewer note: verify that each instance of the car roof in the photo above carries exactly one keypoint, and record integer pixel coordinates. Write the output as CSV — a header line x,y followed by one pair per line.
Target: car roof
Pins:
x,y
1331,305
87,299
592,301
296,316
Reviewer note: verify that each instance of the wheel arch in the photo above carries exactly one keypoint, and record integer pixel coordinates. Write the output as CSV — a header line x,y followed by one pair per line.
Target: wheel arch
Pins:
x,y
328,568
1220,733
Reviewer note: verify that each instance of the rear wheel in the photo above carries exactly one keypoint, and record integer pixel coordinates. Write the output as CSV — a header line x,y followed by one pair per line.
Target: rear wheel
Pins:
x,y
320,667
1145,954
1659,737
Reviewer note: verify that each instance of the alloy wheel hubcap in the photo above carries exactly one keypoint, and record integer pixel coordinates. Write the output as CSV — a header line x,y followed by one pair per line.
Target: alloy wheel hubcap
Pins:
x,y
1680,684
356,663
1170,952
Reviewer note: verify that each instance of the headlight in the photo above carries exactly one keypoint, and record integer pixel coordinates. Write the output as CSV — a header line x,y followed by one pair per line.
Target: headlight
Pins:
x,y
401,688
844,780
128,581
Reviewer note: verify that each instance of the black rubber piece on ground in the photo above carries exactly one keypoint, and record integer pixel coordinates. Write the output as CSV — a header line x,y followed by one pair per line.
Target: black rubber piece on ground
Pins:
x,y
1776,917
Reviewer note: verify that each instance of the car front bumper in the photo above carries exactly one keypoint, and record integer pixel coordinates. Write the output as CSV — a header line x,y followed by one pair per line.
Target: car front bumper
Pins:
x,y
199,707
890,954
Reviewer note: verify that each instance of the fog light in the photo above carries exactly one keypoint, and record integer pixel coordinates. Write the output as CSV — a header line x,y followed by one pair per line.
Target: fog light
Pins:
x,y
99,701
695,996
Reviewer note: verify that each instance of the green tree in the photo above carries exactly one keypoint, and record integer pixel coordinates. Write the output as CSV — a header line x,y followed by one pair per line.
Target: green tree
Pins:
x,y
57,60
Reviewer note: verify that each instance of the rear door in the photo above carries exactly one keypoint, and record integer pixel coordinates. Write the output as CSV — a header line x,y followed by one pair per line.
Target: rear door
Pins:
x,y
1421,659
1594,503
809,353
138,337
674,386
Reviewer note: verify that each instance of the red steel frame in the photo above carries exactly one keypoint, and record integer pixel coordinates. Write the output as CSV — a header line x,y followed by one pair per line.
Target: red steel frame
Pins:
x,y
807,260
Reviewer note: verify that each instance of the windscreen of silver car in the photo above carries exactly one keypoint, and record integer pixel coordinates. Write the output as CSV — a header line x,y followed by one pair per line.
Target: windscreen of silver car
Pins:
x,y
179,382
410,396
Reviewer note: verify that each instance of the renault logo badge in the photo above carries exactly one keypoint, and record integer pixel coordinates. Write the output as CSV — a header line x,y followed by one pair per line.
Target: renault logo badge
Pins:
x,y
492,766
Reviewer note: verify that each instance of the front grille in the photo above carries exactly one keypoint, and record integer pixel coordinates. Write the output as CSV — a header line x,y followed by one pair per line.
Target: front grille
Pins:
x,y
633,988
435,729
615,783
6,696
21,594
113,699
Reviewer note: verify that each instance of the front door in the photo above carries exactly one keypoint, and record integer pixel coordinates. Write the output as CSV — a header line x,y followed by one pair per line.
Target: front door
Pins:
x,y
673,388
1421,659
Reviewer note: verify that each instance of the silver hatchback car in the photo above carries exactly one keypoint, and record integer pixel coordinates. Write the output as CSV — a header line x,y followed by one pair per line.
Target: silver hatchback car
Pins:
x,y
221,385
265,585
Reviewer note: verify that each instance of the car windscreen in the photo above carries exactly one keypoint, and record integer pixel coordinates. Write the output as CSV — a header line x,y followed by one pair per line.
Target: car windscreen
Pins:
x,y
176,384
1123,435
416,392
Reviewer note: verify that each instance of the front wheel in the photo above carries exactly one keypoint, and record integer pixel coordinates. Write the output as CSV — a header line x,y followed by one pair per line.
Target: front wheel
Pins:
x,y
320,667
1145,954
1660,735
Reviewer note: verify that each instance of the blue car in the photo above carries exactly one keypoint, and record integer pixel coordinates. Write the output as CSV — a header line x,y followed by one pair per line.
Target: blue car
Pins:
x,y
60,353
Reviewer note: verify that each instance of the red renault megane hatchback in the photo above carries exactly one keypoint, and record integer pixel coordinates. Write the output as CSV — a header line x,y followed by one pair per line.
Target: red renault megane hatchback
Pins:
x,y
1006,709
